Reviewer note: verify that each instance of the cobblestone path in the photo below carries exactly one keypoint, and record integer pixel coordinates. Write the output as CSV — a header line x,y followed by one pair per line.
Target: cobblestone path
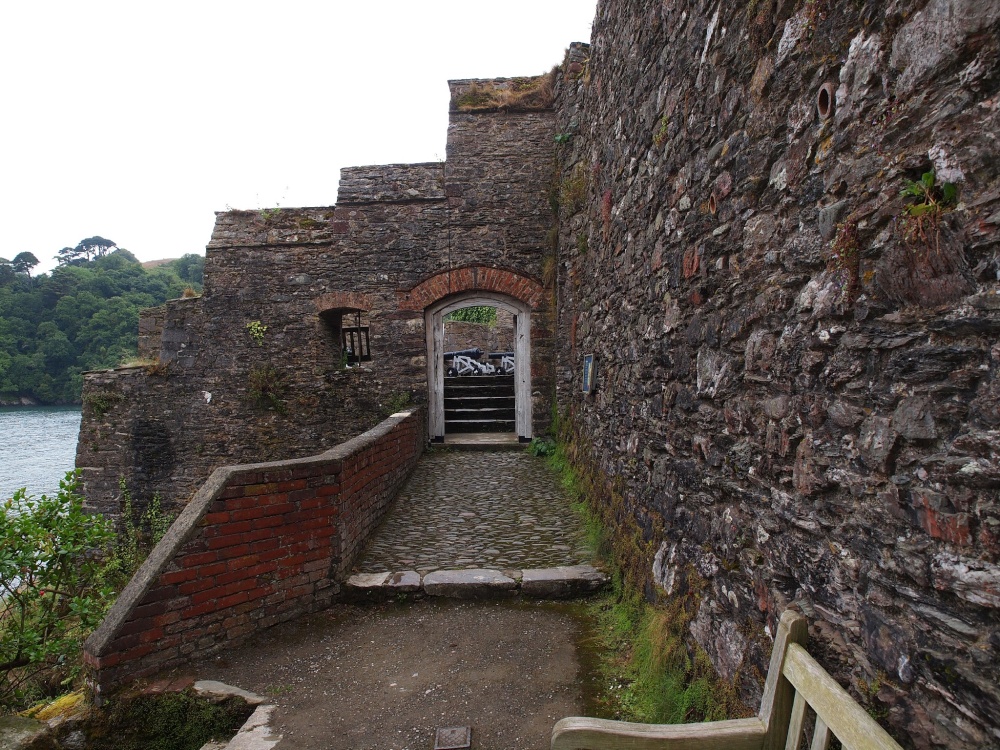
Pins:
x,y
478,510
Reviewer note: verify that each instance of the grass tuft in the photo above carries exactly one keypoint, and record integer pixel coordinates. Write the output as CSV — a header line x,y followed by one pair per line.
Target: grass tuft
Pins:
x,y
650,670
516,95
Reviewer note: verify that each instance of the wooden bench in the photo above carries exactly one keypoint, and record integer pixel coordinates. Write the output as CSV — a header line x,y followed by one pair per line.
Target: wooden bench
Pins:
x,y
795,683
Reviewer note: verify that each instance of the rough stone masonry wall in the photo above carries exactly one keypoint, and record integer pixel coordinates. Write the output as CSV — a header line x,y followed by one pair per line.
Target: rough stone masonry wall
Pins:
x,y
258,544
797,383
165,428
495,338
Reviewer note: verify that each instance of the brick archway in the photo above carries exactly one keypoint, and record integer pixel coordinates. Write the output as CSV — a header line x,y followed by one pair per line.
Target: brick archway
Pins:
x,y
524,289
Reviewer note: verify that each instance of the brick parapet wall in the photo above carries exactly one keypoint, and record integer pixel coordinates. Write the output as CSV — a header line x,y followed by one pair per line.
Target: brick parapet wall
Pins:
x,y
257,545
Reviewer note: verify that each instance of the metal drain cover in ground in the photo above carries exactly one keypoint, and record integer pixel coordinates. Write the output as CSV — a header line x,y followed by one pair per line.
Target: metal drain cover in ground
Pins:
x,y
453,738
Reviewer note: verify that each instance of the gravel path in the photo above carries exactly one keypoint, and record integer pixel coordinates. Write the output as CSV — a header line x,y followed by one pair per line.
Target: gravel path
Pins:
x,y
478,510
386,677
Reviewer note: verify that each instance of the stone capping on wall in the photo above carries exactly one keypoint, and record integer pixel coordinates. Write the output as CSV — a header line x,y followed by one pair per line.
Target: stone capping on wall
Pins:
x,y
460,87
120,649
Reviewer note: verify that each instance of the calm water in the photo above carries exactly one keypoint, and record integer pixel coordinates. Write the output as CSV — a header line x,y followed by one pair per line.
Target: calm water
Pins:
x,y
37,447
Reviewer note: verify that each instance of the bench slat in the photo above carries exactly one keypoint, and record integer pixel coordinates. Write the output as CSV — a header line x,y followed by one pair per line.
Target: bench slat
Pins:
x,y
821,737
776,705
846,719
795,723
579,733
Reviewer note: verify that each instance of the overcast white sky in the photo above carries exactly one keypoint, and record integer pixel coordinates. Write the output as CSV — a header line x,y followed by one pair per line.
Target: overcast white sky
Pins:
x,y
137,120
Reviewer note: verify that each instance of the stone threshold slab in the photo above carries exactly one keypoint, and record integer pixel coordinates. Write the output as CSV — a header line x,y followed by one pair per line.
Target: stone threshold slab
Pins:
x,y
563,582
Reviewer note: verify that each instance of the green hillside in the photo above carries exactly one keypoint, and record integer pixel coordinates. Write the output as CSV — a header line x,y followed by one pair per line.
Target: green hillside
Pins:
x,y
84,315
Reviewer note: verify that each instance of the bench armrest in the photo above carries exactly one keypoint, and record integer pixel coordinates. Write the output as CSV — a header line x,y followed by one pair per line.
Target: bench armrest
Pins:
x,y
579,733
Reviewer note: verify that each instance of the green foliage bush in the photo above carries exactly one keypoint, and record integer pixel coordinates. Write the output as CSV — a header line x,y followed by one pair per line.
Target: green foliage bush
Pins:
x,y
60,569
541,447
54,592
84,315
481,314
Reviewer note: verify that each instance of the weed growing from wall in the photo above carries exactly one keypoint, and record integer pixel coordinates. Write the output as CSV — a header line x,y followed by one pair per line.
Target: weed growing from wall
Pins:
x,y
266,388
549,268
845,259
606,205
137,535
552,238
573,190
516,95
101,402
661,134
256,331
927,202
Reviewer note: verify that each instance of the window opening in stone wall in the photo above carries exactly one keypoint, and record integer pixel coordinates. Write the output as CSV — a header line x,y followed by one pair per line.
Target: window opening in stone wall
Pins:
x,y
349,336
356,343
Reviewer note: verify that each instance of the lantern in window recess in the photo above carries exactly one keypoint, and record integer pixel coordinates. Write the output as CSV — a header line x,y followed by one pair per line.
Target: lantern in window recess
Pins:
x,y
357,347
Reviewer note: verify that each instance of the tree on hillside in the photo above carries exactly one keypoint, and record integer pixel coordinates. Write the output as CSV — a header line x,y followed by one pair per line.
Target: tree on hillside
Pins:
x,y
24,262
189,268
88,249
83,315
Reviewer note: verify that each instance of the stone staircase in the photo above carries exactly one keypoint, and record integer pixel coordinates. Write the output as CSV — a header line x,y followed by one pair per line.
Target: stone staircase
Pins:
x,y
479,403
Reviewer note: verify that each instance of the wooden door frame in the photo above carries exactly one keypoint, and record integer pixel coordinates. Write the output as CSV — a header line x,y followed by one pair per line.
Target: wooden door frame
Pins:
x,y
434,330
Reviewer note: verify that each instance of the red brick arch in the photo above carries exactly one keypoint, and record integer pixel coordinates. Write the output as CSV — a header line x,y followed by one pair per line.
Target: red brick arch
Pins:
x,y
471,278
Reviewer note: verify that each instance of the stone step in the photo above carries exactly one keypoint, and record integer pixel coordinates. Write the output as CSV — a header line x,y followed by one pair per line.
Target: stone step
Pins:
x,y
482,391
564,582
488,414
479,402
479,425
480,380
481,441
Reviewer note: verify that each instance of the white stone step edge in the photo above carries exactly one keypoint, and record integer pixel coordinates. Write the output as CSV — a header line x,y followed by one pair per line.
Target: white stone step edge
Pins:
x,y
256,732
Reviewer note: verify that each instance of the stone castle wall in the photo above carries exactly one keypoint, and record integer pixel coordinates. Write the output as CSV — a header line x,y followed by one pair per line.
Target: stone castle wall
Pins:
x,y
217,396
797,399
498,338
797,383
